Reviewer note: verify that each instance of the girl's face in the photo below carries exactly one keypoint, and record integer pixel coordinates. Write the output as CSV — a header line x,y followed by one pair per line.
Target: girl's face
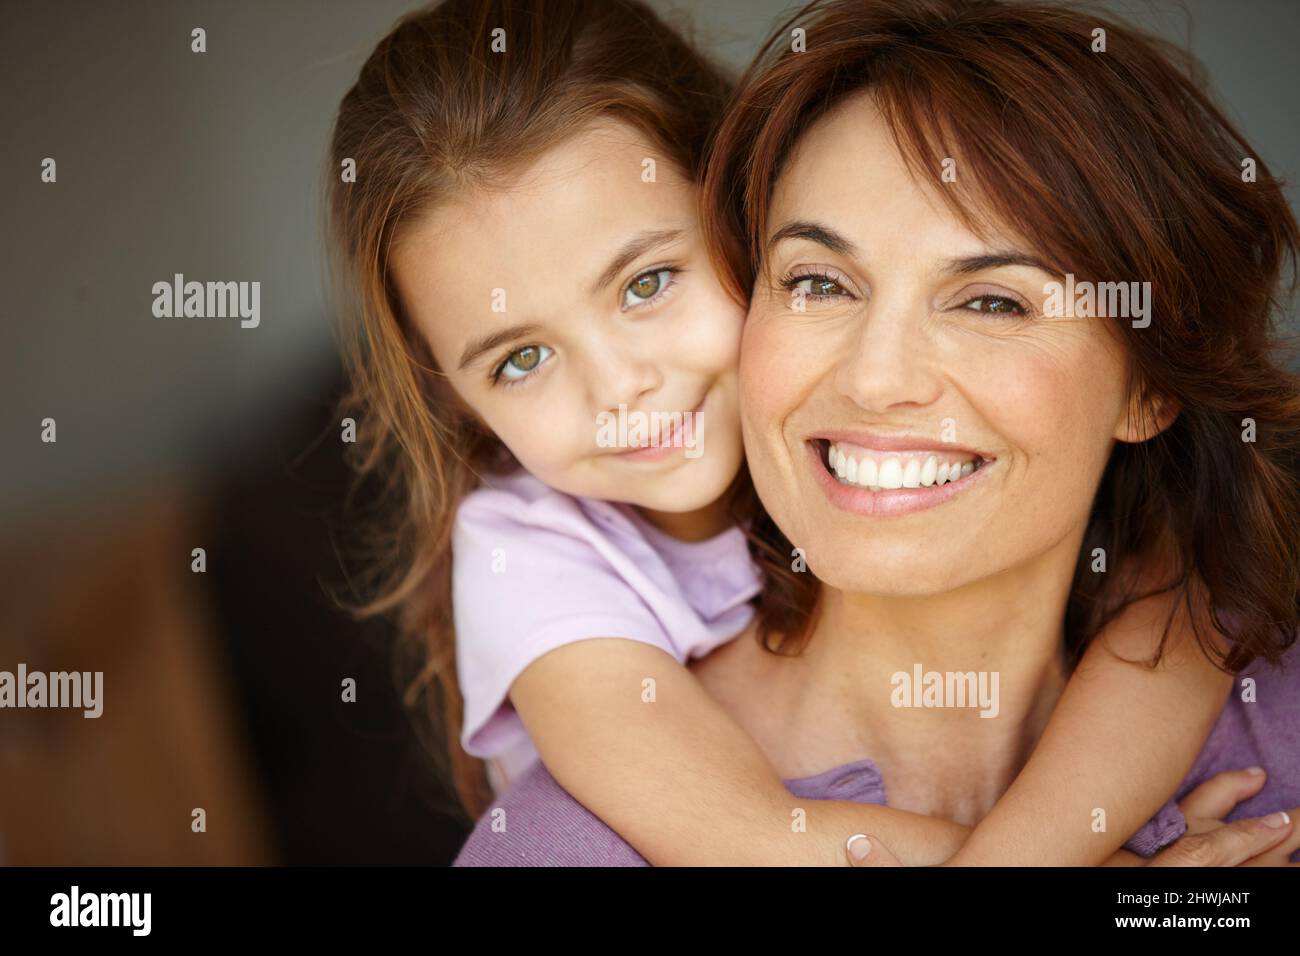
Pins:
x,y
575,311
888,335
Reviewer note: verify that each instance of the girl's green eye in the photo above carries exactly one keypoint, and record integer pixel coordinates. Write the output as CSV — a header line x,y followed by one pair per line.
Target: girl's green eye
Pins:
x,y
526,358
521,362
646,286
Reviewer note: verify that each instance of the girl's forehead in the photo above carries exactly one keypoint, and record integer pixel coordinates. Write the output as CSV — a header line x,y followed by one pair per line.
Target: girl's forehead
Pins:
x,y
607,171
605,148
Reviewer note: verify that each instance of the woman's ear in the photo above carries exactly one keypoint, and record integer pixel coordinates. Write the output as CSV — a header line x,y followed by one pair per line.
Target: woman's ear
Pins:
x,y
1147,415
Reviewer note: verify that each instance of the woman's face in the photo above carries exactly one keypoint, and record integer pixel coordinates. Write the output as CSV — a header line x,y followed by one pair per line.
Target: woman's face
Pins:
x,y
582,287
886,334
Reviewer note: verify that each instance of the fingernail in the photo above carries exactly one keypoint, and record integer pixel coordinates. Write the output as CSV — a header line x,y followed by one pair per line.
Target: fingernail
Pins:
x,y
1276,820
859,846
1255,771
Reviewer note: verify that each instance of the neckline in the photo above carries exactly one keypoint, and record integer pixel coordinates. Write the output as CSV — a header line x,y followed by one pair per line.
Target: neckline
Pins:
x,y
856,778
862,778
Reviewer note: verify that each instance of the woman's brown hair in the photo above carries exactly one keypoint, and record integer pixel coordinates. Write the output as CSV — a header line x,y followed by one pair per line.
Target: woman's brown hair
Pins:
x,y
466,93
1100,145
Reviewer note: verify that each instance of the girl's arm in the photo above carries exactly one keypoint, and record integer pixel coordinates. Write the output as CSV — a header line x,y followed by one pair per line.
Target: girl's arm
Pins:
x,y
1122,738
678,778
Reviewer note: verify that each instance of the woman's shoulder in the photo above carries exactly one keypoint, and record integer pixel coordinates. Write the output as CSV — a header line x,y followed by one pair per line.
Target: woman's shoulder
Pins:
x,y
536,822
1263,706
1259,726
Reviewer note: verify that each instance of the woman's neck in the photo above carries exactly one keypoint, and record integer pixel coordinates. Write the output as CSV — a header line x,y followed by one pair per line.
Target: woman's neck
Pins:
x,y
994,647
956,688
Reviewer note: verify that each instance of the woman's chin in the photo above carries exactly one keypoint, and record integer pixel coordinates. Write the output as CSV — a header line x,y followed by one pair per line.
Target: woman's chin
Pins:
x,y
888,579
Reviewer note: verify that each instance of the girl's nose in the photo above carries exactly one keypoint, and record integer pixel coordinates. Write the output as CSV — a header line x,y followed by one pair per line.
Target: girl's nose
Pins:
x,y
623,379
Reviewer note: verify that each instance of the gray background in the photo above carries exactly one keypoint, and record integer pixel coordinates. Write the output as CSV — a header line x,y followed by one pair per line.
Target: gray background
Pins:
x,y
210,165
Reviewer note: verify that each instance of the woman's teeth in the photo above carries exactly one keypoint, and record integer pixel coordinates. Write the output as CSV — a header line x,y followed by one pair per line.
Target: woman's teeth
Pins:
x,y
884,471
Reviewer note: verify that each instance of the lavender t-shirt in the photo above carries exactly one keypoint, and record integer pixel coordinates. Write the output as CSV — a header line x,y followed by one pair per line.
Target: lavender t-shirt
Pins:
x,y
537,823
534,569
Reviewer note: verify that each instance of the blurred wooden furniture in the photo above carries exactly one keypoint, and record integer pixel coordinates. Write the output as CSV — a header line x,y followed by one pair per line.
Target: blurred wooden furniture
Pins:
x,y
110,589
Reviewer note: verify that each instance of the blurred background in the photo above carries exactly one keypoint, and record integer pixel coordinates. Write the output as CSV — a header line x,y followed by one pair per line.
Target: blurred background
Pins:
x,y
222,690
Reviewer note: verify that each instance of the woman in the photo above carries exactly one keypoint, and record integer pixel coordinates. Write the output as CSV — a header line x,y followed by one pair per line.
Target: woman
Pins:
x,y
935,207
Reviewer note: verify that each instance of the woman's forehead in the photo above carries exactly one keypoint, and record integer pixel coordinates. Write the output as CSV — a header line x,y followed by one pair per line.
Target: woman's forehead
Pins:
x,y
847,170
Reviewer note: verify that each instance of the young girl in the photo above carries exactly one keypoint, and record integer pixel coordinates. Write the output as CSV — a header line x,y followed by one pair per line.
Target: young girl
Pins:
x,y
523,242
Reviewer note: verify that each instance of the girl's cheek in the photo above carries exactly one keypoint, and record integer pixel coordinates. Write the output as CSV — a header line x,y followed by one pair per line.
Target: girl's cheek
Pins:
x,y
710,332
540,448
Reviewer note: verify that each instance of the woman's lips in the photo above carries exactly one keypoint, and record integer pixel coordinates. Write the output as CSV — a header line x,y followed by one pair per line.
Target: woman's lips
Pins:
x,y
896,481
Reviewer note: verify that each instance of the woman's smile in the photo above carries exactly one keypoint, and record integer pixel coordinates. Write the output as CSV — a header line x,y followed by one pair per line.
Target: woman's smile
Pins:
x,y
889,476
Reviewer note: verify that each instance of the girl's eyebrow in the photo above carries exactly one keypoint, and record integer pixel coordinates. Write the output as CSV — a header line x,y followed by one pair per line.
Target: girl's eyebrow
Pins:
x,y
638,245
492,341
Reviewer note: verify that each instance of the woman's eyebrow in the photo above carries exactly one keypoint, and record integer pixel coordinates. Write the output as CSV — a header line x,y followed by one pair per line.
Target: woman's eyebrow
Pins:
x,y
826,236
492,341
814,232
993,260
638,245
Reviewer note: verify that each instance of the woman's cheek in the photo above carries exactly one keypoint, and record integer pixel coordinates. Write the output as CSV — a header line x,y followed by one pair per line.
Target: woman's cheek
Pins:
x,y
1053,418
765,343
763,369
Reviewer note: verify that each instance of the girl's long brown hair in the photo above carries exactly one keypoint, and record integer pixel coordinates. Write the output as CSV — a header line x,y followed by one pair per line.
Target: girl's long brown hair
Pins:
x,y
1118,165
437,109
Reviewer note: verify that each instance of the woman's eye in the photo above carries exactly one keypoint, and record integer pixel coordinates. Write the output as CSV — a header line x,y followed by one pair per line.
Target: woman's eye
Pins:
x,y
820,286
646,286
994,305
814,286
522,362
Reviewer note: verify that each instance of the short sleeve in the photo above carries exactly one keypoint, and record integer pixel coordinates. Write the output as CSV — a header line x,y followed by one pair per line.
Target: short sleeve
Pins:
x,y
528,577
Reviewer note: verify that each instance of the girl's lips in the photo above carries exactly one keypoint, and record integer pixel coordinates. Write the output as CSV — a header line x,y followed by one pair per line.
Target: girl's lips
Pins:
x,y
648,452
886,502
666,445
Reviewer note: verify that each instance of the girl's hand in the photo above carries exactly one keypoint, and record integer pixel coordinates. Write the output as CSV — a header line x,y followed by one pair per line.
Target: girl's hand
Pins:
x,y
1264,841
866,850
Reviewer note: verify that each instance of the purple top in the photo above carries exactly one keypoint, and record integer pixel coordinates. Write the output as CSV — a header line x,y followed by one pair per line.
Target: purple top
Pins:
x,y
537,823
583,568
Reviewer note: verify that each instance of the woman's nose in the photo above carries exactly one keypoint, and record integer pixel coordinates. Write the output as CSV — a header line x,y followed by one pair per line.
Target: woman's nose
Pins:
x,y
890,362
